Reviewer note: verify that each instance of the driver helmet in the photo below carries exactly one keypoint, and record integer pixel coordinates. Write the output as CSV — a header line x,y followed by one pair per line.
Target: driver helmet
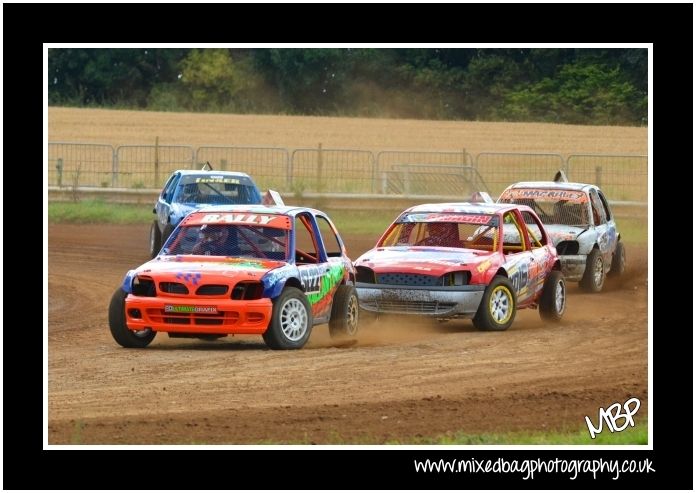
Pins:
x,y
213,232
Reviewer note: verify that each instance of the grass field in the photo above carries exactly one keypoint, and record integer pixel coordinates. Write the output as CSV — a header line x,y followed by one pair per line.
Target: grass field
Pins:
x,y
119,127
637,435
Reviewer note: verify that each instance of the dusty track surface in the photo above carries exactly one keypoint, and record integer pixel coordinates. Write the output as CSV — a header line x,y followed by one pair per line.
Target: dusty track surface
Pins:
x,y
402,380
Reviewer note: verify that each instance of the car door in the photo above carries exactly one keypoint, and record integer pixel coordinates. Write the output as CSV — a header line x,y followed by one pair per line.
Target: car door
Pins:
x,y
541,261
606,235
340,266
612,233
519,257
313,266
164,201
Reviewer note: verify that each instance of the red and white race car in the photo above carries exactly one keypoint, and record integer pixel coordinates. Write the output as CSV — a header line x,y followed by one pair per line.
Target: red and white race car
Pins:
x,y
463,260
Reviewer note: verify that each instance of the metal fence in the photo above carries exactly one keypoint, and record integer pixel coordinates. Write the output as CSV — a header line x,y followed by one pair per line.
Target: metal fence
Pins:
x,y
621,177
142,166
269,166
73,164
449,173
500,169
332,170
351,171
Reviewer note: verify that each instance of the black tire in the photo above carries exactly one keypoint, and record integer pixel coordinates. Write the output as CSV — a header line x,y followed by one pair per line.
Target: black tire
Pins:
x,y
593,279
344,313
498,306
291,321
552,303
117,323
155,239
166,233
618,261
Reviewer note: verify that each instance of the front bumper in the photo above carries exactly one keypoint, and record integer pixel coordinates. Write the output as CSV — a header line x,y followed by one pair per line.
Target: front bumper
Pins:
x,y
198,316
573,266
439,302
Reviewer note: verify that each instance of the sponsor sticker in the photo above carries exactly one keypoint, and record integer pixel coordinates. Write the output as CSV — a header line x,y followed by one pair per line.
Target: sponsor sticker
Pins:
x,y
217,179
189,309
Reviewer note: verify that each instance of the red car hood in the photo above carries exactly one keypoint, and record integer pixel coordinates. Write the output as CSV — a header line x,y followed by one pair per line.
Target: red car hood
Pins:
x,y
422,260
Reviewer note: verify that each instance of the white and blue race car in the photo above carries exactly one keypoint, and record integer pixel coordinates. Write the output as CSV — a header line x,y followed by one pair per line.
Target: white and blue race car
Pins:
x,y
189,190
580,222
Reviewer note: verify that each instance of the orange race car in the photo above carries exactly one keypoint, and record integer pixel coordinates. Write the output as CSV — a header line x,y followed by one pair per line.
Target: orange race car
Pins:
x,y
273,271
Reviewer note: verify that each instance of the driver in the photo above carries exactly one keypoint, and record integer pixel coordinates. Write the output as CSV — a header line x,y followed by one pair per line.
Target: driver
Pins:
x,y
441,234
190,193
213,239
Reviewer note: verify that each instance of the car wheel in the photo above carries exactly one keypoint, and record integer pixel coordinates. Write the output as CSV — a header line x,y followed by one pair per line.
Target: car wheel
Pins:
x,y
155,239
552,303
166,233
593,279
291,321
344,313
498,306
618,261
117,323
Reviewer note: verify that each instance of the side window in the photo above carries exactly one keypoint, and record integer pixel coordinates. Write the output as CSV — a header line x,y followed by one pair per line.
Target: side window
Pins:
x,y
333,247
534,230
305,248
597,208
168,189
513,237
605,206
168,193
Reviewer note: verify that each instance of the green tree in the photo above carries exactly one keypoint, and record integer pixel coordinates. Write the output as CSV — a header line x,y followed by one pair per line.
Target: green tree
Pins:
x,y
107,77
579,93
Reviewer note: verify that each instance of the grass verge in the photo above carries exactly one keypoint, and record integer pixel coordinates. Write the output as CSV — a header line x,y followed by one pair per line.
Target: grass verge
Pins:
x,y
97,211
637,435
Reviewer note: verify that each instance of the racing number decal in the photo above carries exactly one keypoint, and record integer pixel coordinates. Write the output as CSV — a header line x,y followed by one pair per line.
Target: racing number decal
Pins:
x,y
520,278
310,276
320,283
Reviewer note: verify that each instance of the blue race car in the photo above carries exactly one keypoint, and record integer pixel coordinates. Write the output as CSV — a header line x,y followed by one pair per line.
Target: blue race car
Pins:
x,y
189,190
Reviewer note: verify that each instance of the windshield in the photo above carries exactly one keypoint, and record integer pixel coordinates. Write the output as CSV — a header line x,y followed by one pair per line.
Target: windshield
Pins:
x,y
229,240
553,206
453,230
216,189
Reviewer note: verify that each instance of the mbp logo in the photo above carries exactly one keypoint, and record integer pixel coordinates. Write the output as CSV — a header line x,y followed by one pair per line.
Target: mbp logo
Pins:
x,y
612,414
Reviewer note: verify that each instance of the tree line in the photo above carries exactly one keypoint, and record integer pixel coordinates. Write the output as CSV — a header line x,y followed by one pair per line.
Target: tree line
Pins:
x,y
602,86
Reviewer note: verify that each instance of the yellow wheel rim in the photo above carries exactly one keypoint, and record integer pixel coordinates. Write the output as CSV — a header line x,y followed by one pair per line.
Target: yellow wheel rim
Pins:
x,y
501,305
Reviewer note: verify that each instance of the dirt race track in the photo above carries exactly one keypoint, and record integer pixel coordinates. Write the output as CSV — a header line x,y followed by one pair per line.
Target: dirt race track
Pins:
x,y
402,380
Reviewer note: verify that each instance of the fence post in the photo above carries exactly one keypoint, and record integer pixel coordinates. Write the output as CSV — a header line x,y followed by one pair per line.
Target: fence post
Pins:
x,y
320,165
407,180
156,162
114,167
598,176
288,168
373,178
59,167
466,169
223,164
